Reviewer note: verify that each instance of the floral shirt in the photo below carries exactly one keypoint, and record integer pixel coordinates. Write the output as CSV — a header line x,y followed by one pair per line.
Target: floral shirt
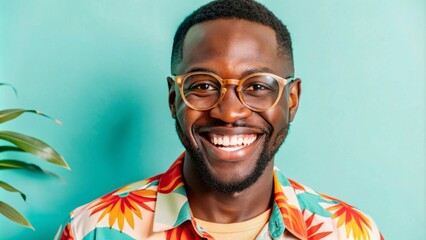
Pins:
x,y
158,208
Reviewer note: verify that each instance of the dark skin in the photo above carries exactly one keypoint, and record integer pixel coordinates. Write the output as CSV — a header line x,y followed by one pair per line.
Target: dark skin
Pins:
x,y
232,48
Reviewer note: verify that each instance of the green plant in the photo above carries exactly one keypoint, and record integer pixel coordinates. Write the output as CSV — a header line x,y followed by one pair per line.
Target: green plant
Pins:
x,y
19,142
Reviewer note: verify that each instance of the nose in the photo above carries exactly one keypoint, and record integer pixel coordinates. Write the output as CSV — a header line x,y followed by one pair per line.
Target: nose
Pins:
x,y
230,109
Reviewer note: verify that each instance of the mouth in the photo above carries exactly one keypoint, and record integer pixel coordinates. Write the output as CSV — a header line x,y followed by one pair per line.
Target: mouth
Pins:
x,y
231,143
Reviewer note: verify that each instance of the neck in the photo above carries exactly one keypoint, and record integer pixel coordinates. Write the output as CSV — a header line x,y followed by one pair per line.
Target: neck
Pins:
x,y
211,205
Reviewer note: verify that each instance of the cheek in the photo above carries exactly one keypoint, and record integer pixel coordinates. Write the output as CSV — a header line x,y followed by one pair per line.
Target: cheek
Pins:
x,y
186,118
180,112
277,117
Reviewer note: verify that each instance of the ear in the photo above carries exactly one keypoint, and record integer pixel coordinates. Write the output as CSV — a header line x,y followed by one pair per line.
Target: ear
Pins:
x,y
172,96
293,98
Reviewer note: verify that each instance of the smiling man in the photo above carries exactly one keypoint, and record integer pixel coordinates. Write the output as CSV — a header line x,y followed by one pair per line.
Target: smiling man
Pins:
x,y
233,95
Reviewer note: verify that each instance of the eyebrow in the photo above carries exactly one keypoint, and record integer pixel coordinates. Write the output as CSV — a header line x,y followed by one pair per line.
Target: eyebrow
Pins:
x,y
202,69
245,73
257,70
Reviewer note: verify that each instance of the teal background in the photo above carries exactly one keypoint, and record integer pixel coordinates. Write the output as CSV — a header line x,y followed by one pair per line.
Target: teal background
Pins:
x,y
101,67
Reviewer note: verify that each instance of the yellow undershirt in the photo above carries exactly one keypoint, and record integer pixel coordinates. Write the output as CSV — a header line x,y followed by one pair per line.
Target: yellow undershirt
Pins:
x,y
247,230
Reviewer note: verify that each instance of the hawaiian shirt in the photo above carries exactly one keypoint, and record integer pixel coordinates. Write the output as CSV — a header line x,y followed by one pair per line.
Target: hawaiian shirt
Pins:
x,y
158,208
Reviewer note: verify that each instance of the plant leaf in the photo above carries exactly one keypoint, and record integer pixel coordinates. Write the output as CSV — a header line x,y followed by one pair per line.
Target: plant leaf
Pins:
x,y
35,147
13,215
10,148
13,88
9,188
9,114
15,164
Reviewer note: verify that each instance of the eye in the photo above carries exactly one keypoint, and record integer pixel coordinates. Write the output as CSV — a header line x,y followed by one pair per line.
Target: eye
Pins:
x,y
201,83
256,87
202,86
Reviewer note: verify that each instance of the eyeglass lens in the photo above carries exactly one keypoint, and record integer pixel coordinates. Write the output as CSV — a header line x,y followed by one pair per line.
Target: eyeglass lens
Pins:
x,y
258,92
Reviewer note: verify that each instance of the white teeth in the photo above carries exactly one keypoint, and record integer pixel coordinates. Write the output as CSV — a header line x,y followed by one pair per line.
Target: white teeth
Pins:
x,y
233,141
226,141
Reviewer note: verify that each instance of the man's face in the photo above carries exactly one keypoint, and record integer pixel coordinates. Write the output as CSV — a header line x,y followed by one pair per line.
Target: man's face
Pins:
x,y
232,48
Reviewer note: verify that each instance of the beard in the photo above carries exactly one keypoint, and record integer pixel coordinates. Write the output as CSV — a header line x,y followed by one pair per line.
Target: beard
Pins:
x,y
268,152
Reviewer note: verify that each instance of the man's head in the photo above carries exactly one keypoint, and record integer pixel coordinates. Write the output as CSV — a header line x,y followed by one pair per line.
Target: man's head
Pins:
x,y
232,9
229,146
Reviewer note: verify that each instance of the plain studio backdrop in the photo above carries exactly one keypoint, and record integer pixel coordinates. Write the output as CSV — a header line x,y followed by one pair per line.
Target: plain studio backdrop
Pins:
x,y
101,68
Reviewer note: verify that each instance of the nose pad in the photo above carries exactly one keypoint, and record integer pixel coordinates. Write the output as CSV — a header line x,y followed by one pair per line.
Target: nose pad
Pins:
x,y
230,108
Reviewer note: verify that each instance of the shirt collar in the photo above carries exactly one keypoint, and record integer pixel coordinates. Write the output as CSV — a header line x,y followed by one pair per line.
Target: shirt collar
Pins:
x,y
172,207
286,213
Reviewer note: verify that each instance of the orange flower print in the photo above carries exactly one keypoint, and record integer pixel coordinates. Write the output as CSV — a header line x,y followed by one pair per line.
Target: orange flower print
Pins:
x,y
67,233
291,216
172,179
355,222
297,185
313,233
123,207
184,231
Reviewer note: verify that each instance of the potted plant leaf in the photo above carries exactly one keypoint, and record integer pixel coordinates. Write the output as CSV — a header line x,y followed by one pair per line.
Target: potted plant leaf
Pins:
x,y
21,143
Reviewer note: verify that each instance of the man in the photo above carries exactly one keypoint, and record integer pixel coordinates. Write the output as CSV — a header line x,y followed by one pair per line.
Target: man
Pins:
x,y
233,96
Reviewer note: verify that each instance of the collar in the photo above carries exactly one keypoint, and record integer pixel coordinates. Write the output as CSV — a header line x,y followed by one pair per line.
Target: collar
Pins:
x,y
172,207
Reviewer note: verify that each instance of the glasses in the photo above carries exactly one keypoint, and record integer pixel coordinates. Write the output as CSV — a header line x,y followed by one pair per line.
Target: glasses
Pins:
x,y
204,90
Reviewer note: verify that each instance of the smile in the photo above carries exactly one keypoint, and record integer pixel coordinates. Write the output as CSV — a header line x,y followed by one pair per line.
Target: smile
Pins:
x,y
232,142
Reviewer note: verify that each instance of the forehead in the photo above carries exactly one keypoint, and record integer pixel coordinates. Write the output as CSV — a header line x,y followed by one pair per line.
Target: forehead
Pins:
x,y
231,45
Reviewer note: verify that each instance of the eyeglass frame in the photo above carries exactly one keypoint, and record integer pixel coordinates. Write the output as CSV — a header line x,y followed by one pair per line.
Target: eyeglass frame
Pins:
x,y
282,82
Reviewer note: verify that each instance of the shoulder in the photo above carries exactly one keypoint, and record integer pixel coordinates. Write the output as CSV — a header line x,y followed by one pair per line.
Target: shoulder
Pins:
x,y
331,217
127,211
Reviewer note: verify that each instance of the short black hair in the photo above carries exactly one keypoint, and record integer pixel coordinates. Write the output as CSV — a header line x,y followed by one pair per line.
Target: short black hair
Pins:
x,y
227,9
